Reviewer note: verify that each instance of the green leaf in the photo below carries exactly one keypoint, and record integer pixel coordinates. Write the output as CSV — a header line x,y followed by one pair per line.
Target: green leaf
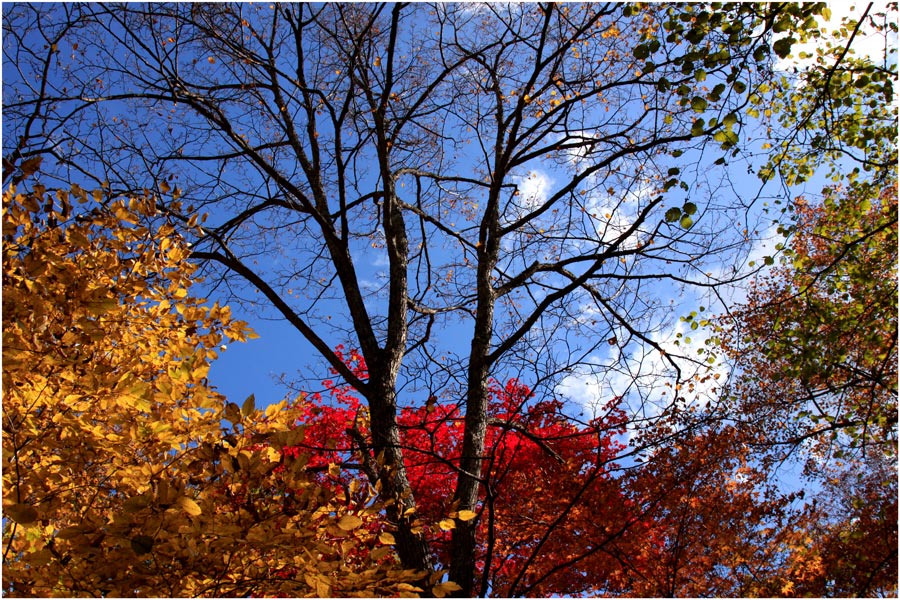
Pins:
x,y
689,208
782,47
673,214
699,104
697,127
686,222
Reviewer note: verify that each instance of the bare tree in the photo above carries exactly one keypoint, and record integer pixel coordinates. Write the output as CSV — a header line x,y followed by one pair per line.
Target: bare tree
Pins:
x,y
529,173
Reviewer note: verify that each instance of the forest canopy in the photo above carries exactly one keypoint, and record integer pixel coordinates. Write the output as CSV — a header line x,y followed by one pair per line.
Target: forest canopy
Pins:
x,y
593,299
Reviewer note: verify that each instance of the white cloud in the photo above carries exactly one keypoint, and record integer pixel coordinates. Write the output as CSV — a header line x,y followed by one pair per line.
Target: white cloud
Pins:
x,y
645,377
380,260
533,191
593,385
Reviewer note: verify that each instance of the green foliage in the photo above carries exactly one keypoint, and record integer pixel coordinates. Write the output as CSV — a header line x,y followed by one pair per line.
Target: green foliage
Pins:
x,y
840,112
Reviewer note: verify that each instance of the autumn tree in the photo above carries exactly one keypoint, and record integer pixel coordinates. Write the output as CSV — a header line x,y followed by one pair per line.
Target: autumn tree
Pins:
x,y
380,176
815,354
541,465
816,342
814,346
119,478
820,327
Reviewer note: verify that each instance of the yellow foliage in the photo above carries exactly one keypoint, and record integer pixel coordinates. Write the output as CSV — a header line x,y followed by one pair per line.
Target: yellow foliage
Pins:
x,y
120,477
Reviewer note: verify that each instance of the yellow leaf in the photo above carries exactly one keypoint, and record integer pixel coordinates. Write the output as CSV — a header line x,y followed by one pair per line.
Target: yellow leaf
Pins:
x,y
68,533
136,503
189,506
386,538
349,522
447,524
380,552
233,413
447,587
249,405
273,409
466,515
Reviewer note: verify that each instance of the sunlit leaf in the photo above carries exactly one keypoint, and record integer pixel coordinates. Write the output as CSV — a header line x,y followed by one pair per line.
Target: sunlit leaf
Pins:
x,y
188,506
349,522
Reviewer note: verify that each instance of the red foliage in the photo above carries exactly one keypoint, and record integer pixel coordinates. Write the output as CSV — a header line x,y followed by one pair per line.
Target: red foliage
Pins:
x,y
548,502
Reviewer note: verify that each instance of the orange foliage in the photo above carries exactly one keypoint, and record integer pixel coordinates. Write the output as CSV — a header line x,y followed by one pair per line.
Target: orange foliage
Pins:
x,y
119,478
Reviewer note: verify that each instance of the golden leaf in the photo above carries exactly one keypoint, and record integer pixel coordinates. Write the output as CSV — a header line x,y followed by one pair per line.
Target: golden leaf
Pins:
x,y
380,552
189,506
349,522
442,589
466,515
386,538
68,533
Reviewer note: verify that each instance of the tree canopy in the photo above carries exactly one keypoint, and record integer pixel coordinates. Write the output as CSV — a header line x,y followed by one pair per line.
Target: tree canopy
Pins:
x,y
118,477
469,212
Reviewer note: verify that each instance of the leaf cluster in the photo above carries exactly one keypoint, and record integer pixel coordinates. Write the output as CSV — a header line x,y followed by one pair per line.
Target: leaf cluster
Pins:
x,y
118,476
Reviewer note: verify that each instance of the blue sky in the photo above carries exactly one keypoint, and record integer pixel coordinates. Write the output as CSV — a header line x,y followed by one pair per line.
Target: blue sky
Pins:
x,y
255,366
